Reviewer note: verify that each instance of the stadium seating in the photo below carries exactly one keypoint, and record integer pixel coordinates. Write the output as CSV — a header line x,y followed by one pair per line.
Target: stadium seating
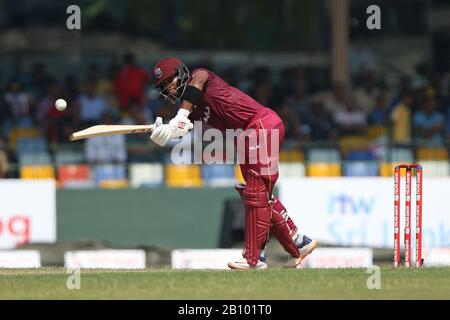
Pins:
x,y
352,143
110,175
404,155
291,170
323,170
323,155
431,153
435,168
292,155
31,145
74,176
69,157
387,169
179,176
218,175
360,169
37,172
376,131
146,175
353,158
113,184
18,133
360,155
31,158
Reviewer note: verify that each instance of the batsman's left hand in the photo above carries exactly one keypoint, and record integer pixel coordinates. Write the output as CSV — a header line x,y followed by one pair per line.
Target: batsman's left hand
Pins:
x,y
162,133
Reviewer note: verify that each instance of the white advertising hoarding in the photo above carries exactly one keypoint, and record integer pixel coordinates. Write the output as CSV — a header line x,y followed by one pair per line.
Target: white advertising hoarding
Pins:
x,y
20,259
27,212
204,258
360,211
437,257
105,259
339,258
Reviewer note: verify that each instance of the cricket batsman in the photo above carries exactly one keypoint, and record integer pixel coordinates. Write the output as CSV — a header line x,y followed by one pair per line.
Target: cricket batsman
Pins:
x,y
205,96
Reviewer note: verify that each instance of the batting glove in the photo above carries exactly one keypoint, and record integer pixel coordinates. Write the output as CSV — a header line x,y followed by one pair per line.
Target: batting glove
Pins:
x,y
181,123
162,133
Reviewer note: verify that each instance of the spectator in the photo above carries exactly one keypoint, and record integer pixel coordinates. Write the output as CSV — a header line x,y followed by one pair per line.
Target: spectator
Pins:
x,y
139,150
18,104
320,123
154,102
113,69
401,120
127,118
93,71
230,75
245,81
166,111
290,78
71,120
361,56
290,120
92,104
71,89
260,75
4,164
138,116
106,149
39,81
104,81
351,120
380,114
264,94
405,88
335,101
130,82
142,115
48,117
4,112
367,93
429,124
19,74
299,100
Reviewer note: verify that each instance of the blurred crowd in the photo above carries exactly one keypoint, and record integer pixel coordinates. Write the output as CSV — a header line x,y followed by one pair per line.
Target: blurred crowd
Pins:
x,y
416,109
115,95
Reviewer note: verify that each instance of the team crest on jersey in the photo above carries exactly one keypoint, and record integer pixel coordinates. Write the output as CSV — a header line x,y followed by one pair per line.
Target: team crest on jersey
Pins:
x,y
158,73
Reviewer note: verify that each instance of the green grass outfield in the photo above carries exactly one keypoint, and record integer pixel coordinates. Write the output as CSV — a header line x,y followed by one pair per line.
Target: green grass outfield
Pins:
x,y
50,283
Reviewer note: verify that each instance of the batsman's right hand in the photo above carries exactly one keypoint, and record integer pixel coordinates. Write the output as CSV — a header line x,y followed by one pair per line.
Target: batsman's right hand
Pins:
x,y
162,133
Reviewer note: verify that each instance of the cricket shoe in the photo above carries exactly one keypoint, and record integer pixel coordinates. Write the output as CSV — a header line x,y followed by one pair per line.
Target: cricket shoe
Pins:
x,y
305,247
242,264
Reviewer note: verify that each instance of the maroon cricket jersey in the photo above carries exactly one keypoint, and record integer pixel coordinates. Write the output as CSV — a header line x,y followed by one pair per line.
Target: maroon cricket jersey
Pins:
x,y
223,106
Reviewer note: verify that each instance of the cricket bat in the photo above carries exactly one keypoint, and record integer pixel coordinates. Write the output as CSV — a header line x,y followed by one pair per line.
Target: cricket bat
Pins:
x,y
107,130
